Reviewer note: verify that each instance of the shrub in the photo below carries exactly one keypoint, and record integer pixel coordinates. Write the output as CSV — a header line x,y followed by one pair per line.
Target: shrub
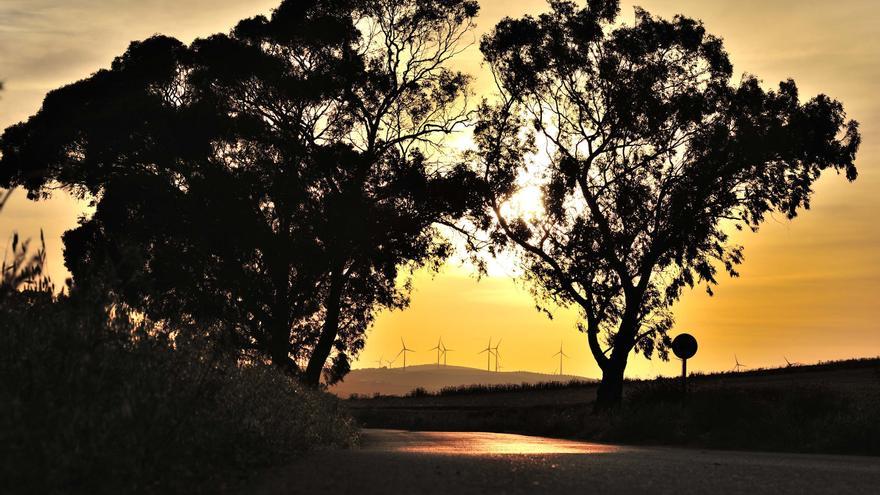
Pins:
x,y
512,387
97,404
418,392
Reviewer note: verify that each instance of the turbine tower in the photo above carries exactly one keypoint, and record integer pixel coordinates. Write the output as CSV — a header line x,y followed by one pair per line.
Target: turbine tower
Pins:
x,y
561,355
489,355
445,350
497,354
404,349
439,348
738,364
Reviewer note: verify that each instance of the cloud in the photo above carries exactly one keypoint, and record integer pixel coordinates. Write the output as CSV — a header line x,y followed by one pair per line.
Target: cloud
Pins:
x,y
46,43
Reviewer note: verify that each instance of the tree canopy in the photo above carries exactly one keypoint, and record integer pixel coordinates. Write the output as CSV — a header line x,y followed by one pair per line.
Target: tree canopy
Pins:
x,y
270,183
652,155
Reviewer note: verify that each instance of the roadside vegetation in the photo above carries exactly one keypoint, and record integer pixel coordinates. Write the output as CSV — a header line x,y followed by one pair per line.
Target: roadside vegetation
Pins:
x,y
482,388
103,405
97,399
824,408
810,418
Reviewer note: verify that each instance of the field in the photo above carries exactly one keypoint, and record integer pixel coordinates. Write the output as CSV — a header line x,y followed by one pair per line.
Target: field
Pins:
x,y
830,408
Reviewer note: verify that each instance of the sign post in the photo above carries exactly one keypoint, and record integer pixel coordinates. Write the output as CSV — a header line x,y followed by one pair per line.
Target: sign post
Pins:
x,y
684,346
684,375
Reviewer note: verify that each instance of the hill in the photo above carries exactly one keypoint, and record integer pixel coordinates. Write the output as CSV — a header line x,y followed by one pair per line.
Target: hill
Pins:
x,y
431,378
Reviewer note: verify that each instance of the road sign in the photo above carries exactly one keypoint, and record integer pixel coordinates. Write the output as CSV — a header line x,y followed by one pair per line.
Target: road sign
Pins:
x,y
684,346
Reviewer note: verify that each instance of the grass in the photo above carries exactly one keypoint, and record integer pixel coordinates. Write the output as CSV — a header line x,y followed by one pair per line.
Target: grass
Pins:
x,y
826,408
798,418
521,387
96,407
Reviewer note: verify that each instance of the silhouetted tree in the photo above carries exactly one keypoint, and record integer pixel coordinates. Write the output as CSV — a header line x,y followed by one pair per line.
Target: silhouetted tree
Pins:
x,y
272,181
653,155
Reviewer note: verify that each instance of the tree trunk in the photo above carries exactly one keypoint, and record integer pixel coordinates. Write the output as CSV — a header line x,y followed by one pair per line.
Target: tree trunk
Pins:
x,y
610,392
312,376
279,346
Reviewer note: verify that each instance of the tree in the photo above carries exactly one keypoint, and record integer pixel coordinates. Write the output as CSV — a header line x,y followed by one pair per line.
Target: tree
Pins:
x,y
272,182
653,156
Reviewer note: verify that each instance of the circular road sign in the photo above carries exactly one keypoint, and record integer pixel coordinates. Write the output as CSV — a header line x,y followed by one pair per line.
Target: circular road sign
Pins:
x,y
684,346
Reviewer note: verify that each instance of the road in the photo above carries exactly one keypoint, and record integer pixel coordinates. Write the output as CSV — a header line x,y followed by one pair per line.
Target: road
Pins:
x,y
453,463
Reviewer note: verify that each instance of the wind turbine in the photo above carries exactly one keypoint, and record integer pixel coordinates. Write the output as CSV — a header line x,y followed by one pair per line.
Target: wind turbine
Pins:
x,y
379,361
561,355
497,354
488,356
789,364
738,364
445,350
439,348
403,351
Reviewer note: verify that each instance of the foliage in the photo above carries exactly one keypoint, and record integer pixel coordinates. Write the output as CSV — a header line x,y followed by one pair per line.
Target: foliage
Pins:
x,y
98,399
653,156
22,269
418,392
275,180
98,405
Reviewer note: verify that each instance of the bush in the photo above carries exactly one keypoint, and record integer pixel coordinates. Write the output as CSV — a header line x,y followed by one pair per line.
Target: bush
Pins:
x,y
418,392
92,404
512,387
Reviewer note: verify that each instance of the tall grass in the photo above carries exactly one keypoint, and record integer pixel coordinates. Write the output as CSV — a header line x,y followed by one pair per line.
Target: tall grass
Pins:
x,y
93,404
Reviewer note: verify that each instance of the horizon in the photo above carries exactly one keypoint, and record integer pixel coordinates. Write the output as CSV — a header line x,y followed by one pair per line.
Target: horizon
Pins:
x,y
808,287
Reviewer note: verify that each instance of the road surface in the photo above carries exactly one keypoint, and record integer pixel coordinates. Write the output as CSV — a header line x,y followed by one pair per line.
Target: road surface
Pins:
x,y
453,463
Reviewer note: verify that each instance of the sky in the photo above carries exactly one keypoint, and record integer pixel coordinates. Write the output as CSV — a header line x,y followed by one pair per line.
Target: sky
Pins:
x,y
808,289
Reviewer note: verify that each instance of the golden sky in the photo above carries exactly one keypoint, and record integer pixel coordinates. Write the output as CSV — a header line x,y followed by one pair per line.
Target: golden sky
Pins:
x,y
809,288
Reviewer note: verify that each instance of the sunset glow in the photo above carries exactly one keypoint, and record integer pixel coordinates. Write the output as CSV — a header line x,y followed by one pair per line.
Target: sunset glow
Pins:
x,y
481,444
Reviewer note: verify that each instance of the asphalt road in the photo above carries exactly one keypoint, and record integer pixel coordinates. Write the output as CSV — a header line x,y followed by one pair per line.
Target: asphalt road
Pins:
x,y
453,463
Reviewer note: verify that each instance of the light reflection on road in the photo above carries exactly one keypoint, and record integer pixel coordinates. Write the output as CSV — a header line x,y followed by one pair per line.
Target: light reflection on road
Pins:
x,y
474,443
